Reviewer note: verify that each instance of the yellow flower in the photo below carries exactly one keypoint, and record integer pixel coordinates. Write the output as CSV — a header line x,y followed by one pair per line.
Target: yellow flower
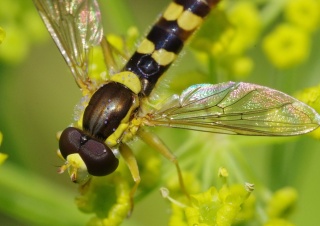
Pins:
x,y
286,46
242,66
215,207
311,96
220,47
177,217
222,207
246,19
107,197
303,13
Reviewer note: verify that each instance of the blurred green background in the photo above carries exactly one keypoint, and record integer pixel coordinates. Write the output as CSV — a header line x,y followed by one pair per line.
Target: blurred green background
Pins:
x,y
38,95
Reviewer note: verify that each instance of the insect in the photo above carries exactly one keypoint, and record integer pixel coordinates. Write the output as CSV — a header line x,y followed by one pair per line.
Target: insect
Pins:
x,y
118,109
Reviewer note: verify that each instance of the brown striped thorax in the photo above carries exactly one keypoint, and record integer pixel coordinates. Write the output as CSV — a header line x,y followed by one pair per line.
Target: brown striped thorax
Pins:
x,y
115,114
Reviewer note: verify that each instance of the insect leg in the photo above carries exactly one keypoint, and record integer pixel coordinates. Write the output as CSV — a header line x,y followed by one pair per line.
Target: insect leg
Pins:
x,y
112,55
60,155
131,162
65,166
156,143
107,52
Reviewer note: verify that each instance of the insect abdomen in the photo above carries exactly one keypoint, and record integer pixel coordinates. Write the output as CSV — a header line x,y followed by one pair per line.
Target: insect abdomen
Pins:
x,y
165,40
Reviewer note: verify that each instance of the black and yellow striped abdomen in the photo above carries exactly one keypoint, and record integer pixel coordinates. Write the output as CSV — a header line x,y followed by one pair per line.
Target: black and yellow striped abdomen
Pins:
x,y
165,40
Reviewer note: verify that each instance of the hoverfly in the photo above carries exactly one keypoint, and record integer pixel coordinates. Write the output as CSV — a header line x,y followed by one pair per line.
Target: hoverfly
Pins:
x,y
118,108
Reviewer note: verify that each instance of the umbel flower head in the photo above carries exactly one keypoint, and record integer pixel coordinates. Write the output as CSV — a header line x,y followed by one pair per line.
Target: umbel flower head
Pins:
x,y
232,205
311,96
303,13
287,46
218,207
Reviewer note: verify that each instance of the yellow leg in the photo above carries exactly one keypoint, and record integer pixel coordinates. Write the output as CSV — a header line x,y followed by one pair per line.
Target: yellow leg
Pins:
x,y
131,161
109,53
65,166
156,143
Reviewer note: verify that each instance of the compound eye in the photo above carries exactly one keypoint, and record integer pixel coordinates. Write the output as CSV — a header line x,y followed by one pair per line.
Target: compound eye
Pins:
x,y
69,142
99,159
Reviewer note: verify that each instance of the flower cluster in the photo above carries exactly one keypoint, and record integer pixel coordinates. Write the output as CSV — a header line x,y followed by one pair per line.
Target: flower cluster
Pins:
x,y
228,34
106,197
223,207
311,96
283,29
231,205
289,43
287,46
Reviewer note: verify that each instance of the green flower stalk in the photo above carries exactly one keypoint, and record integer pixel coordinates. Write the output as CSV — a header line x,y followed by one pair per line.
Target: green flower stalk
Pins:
x,y
2,156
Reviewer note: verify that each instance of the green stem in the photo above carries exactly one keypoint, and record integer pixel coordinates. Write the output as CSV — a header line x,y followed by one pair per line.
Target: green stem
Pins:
x,y
271,11
118,15
36,201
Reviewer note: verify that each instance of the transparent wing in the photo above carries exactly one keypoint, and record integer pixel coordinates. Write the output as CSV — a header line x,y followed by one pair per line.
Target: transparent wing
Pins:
x,y
237,108
75,26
